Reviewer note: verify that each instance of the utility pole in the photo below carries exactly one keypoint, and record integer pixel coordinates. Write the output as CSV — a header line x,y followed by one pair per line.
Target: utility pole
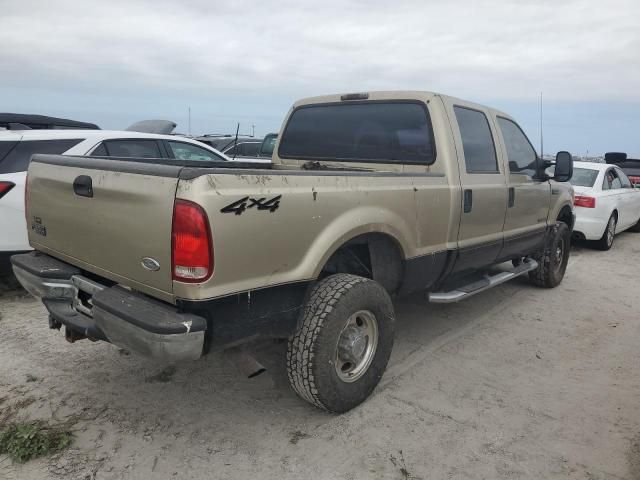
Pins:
x,y
189,121
253,130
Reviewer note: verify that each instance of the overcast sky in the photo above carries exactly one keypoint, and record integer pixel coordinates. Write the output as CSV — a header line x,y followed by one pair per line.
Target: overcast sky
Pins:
x,y
116,62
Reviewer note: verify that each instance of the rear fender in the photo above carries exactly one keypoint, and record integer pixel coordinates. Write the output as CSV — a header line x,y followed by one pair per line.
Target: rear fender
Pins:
x,y
342,230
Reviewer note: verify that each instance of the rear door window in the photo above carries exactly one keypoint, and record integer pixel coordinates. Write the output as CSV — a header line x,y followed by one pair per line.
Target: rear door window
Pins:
x,y
17,159
611,180
386,132
133,148
477,141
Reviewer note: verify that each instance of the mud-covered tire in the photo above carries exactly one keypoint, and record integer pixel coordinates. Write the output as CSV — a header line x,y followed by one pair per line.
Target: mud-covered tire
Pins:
x,y
551,263
606,241
312,348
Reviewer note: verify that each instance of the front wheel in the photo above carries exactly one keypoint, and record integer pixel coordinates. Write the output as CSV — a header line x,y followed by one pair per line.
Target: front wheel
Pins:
x,y
553,259
341,347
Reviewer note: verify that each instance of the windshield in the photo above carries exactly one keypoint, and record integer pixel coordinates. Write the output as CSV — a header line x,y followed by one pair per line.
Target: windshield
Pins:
x,y
584,177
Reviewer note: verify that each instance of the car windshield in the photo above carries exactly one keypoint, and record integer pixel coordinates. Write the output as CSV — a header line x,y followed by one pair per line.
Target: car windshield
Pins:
x,y
584,177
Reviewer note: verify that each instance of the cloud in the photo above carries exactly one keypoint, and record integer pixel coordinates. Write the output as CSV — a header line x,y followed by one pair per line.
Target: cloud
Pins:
x,y
115,62
571,50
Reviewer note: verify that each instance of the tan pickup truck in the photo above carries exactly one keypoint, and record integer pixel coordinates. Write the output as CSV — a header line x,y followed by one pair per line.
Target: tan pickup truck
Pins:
x,y
369,195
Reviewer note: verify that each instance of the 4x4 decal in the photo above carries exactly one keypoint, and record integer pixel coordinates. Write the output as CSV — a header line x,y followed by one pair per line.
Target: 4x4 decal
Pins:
x,y
239,206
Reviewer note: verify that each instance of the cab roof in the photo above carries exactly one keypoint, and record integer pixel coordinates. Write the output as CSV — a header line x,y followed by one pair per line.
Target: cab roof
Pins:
x,y
421,95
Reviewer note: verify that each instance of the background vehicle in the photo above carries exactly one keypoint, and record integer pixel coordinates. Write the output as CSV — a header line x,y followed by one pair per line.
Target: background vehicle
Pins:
x,y
245,148
227,144
17,147
605,201
368,195
630,166
17,121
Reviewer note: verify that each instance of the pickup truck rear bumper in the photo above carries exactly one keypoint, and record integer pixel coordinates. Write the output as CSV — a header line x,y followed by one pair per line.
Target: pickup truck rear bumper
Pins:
x,y
112,313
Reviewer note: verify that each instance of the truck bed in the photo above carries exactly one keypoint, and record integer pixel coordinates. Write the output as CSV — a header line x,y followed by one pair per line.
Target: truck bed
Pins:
x,y
270,226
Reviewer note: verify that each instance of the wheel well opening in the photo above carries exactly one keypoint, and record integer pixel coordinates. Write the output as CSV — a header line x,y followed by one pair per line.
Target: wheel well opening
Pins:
x,y
566,216
373,255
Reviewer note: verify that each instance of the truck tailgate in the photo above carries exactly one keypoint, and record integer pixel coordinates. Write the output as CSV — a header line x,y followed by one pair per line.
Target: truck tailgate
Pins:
x,y
124,217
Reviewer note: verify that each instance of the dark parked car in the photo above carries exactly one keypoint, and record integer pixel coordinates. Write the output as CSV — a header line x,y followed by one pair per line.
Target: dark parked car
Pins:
x,y
630,166
227,144
23,121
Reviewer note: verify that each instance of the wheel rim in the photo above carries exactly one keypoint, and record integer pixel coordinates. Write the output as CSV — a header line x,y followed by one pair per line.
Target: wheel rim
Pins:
x,y
559,254
611,230
356,346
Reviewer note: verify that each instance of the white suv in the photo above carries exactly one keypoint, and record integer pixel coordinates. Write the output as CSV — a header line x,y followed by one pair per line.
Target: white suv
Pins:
x,y
17,146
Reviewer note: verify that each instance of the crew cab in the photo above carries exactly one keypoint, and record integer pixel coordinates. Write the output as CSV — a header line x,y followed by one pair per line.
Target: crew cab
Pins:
x,y
368,196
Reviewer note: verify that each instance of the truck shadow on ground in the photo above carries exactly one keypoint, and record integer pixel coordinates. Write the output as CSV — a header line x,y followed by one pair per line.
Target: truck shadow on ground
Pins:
x,y
212,392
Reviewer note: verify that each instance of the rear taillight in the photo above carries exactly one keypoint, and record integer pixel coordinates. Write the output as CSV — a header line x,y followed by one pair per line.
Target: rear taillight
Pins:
x,y
191,245
26,198
5,187
583,201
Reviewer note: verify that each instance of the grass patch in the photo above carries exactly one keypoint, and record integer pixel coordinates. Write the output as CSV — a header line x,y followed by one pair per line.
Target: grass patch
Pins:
x,y
24,441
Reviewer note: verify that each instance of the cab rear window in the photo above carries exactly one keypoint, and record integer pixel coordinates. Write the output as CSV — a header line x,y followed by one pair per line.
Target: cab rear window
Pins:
x,y
17,158
386,132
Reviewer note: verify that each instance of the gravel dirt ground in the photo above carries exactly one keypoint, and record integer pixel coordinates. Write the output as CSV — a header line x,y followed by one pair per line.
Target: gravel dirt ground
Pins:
x,y
517,382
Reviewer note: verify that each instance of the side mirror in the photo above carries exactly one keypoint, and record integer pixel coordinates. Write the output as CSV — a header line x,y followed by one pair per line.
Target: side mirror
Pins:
x,y
563,170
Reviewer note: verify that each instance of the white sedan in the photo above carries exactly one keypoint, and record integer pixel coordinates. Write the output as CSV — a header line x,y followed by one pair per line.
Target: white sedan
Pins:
x,y
17,146
605,203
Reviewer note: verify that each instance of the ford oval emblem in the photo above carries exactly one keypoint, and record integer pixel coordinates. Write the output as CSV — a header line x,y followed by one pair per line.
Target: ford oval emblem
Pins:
x,y
150,264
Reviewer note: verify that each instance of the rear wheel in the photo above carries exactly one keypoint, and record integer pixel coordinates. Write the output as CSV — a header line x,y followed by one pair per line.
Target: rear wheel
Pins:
x,y
553,259
341,348
606,241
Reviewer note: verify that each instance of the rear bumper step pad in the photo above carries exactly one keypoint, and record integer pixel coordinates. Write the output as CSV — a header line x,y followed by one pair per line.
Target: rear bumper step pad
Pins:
x,y
125,318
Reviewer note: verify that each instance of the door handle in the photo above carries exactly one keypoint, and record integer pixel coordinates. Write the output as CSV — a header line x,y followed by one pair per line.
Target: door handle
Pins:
x,y
83,186
512,196
468,201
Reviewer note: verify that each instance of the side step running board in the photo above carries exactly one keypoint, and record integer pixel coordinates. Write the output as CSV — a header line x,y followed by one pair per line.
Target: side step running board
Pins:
x,y
486,283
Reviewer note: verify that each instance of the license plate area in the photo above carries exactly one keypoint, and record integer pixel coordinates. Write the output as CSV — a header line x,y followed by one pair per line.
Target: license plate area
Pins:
x,y
85,289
